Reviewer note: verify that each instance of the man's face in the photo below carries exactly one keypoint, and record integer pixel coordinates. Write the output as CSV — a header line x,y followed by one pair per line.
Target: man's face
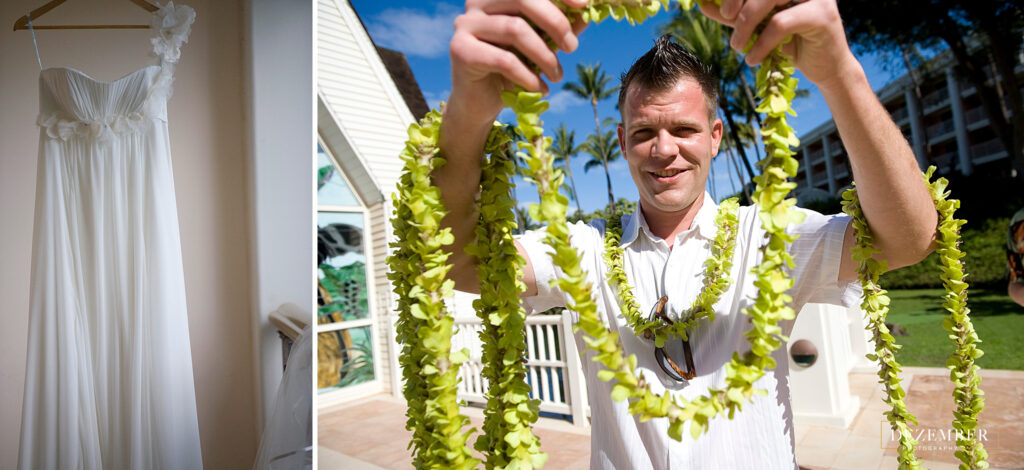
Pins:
x,y
668,142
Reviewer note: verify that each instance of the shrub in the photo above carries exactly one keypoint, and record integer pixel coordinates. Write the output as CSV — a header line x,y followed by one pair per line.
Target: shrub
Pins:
x,y
983,243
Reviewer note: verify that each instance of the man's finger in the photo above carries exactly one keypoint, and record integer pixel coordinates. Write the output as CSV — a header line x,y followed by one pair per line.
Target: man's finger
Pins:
x,y
578,25
518,35
542,13
713,11
488,58
729,9
749,17
783,24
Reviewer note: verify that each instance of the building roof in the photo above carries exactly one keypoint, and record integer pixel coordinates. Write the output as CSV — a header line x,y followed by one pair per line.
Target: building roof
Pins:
x,y
404,79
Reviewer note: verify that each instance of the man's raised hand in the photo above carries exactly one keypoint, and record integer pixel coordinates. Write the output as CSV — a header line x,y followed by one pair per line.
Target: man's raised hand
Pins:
x,y
491,39
818,48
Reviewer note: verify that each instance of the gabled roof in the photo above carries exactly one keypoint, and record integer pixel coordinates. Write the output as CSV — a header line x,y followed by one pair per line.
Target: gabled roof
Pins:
x,y
365,100
340,147
404,79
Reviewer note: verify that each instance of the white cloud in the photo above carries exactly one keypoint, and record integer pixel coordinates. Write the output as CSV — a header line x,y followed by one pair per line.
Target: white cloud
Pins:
x,y
434,99
561,100
415,32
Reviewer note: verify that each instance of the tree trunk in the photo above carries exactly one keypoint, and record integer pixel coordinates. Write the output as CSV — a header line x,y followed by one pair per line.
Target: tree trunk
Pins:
x,y
572,184
608,180
520,221
735,136
1002,50
916,80
751,118
990,102
604,159
739,174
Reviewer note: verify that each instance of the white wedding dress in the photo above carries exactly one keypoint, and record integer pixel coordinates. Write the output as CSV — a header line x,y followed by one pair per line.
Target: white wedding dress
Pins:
x,y
109,371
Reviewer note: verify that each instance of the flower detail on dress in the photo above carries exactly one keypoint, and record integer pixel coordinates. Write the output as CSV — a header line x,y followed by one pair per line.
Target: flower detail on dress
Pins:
x,y
172,25
101,129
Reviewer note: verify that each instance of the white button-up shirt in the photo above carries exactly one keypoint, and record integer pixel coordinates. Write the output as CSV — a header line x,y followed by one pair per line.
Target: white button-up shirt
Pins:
x,y
761,435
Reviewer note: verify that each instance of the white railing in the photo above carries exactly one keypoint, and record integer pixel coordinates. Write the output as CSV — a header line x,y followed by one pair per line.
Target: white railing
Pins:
x,y
554,371
945,160
987,148
935,98
941,128
899,114
975,115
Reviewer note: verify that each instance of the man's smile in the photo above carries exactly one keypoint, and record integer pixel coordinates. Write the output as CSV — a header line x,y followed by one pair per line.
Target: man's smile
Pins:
x,y
666,176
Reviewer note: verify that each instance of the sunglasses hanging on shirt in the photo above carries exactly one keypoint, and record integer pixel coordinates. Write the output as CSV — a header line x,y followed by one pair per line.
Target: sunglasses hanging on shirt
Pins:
x,y
664,360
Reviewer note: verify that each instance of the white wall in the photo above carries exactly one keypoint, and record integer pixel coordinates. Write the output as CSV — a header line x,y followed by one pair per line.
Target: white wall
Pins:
x,y
281,176
242,143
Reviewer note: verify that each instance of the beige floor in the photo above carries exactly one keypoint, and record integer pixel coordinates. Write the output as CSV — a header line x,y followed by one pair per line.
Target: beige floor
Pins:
x,y
865,444
370,434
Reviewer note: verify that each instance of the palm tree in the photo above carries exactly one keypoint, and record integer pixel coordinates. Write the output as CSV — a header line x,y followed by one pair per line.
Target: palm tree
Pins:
x,y
603,147
593,87
709,41
565,148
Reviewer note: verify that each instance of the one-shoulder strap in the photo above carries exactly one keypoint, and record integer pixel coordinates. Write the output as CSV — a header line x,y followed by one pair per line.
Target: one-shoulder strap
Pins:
x,y
34,43
172,25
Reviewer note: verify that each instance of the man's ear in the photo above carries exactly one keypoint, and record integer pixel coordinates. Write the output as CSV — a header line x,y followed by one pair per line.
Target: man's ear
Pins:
x,y
716,136
622,139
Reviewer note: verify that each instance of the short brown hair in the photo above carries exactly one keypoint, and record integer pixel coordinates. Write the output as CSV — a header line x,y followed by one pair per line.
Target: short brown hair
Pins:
x,y
663,66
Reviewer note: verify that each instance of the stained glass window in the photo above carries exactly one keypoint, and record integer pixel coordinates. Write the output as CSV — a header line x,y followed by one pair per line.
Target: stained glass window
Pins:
x,y
344,320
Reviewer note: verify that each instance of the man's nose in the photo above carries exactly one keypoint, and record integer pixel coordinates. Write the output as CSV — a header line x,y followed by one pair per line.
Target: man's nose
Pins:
x,y
664,144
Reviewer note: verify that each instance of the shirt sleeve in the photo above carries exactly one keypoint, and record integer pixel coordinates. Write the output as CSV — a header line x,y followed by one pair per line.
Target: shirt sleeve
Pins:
x,y
544,272
584,237
817,253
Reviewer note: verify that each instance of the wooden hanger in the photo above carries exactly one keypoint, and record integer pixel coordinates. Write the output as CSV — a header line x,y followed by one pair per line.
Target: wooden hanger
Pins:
x,y
22,22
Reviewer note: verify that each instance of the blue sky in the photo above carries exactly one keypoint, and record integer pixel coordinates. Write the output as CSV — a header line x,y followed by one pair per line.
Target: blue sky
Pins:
x,y
422,30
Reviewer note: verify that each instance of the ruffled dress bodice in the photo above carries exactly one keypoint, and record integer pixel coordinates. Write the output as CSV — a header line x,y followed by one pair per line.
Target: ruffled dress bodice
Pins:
x,y
74,105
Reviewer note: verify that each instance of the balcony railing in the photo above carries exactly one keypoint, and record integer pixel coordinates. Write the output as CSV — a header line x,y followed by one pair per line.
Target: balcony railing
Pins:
x,y
975,115
985,149
941,128
899,114
945,160
935,98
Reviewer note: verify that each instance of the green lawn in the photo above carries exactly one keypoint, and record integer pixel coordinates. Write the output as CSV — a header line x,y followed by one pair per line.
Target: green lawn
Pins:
x,y
998,321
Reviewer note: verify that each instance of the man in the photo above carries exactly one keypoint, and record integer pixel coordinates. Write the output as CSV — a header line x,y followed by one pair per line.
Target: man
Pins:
x,y
1015,257
668,136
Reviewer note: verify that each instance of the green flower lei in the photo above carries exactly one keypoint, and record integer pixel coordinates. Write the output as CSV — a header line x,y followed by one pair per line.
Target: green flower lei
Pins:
x,y
419,267
716,279
963,372
508,437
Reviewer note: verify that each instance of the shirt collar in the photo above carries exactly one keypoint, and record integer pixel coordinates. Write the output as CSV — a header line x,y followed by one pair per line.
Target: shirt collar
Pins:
x,y
704,222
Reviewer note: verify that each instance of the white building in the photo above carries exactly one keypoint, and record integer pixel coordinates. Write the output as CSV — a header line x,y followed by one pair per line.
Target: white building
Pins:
x,y
366,100
951,123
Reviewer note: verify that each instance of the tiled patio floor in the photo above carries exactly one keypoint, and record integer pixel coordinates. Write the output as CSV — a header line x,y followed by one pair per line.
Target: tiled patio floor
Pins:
x,y
371,435
866,444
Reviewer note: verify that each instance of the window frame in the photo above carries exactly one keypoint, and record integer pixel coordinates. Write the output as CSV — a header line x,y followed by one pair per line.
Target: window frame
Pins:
x,y
343,394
